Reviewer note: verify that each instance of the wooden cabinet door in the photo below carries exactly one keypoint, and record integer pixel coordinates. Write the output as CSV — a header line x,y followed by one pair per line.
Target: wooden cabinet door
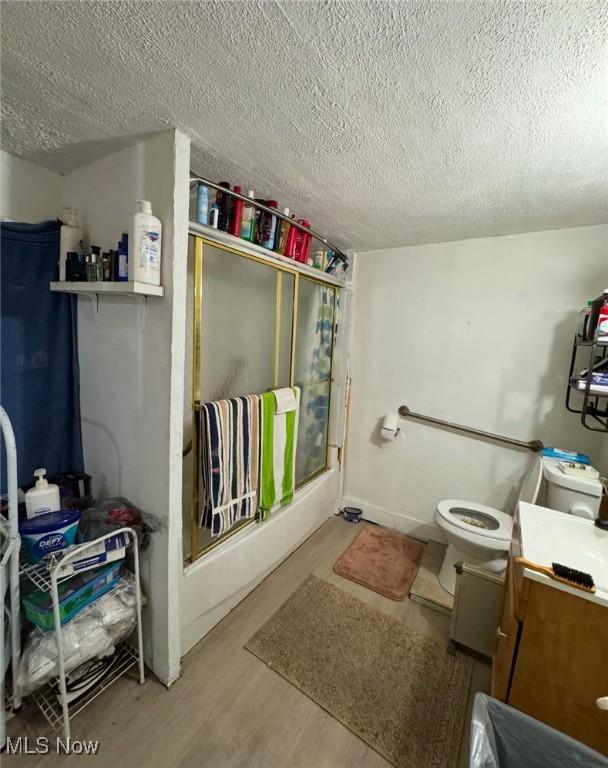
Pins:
x,y
506,641
561,668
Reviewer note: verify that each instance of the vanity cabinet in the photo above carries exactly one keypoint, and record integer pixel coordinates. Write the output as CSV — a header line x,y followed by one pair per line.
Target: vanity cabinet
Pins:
x,y
551,657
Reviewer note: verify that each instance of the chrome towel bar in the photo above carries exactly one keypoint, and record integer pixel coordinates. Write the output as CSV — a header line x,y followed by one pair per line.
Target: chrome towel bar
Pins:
x,y
532,445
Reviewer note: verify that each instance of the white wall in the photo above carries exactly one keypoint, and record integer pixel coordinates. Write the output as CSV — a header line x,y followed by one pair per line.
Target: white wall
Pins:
x,y
477,332
132,423
28,192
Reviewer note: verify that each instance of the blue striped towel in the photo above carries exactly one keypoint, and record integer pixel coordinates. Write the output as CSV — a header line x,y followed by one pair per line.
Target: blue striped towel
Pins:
x,y
230,459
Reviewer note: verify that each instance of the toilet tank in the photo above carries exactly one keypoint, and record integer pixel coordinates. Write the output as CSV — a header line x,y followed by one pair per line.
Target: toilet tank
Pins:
x,y
573,494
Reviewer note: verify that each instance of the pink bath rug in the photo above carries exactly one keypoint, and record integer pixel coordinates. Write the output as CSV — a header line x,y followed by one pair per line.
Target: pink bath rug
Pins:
x,y
381,560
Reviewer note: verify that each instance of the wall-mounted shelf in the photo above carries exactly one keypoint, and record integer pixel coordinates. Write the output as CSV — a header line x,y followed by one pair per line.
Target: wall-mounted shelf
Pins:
x,y
132,289
117,288
594,405
226,238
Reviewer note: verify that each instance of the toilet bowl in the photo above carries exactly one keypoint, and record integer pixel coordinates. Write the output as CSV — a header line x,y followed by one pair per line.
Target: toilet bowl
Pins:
x,y
480,535
476,534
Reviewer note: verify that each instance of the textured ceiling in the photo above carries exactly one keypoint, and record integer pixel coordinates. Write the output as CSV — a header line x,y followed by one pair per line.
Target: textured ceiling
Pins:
x,y
386,123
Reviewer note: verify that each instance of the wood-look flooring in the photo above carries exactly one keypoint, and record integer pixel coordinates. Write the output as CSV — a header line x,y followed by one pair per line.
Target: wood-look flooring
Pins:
x,y
228,710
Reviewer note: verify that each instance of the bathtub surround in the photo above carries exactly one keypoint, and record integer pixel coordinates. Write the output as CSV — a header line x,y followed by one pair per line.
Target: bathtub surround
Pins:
x,y
475,331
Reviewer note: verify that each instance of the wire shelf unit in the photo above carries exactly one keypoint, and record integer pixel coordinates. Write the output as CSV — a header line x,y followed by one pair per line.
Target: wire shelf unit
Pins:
x,y
593,407
48,700
52,698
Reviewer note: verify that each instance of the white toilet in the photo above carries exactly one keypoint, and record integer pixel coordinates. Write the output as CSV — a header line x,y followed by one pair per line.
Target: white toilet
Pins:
x,y
480,535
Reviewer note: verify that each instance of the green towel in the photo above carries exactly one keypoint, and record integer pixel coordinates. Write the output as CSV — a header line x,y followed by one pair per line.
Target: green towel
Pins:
x,y
278,439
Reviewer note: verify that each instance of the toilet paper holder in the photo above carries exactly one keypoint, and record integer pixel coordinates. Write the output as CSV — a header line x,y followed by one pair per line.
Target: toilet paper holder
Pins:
x,y
390,427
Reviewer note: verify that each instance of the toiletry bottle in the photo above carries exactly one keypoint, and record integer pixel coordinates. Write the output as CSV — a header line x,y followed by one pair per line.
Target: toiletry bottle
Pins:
x,y
203,204
225,203
105,265
247,228
92,265
602,323
145,245
594,317
302,242
199,202
290,243
280,235
122,273
268,222
96,265
43,497
318,259
69,238
257,220
236,214
214,216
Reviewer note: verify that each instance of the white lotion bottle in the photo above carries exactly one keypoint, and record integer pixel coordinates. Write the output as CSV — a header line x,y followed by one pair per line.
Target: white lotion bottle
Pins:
x,y
145,245
69,238
43,497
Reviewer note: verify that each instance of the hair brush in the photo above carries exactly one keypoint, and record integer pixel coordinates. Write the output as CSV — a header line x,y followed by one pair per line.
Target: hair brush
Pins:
x,y
563,573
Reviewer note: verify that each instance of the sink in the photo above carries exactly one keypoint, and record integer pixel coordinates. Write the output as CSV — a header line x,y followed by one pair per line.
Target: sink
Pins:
x,y
548,536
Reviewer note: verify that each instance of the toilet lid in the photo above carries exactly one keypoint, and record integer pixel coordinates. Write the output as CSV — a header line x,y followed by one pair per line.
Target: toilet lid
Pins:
x,y
477,518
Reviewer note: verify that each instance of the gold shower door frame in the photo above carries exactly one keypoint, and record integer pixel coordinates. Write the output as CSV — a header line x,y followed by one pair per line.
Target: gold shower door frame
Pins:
x,y
199,243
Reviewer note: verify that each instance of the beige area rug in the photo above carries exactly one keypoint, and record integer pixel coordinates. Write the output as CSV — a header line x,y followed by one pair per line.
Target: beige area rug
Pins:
x,y
381,560
396,689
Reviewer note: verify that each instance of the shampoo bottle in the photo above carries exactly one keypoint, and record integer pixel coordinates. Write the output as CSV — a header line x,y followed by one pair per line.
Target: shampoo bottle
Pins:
x,y
236,214
225,203
268,223
282,230
145,245
122,269
43,497
69,238
248,222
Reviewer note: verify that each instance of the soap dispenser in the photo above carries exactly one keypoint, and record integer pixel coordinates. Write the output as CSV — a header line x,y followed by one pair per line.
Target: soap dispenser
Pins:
x,y
43,497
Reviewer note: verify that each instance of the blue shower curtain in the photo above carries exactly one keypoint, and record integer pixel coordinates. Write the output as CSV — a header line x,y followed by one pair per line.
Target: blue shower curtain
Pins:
x,y
39,378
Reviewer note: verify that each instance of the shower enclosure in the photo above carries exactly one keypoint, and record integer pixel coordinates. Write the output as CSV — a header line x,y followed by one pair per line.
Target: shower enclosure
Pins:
x,y
255,323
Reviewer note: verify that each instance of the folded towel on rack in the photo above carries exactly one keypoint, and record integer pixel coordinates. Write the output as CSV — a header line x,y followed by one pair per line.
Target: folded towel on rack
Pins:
x,y
278,439
229,461
286,400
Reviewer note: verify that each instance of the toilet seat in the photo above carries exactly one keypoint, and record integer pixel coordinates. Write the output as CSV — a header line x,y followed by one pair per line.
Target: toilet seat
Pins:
x,y
502,532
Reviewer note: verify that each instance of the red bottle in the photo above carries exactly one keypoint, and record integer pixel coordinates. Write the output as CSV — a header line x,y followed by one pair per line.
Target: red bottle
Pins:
x,y
290,244
236,215
302,246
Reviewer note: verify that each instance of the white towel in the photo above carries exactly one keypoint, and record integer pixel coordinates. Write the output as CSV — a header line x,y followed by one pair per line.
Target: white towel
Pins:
x,y
286,400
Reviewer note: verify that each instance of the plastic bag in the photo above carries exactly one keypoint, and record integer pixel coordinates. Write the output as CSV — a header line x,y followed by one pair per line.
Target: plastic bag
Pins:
x,y
504,737
92,634
118,512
